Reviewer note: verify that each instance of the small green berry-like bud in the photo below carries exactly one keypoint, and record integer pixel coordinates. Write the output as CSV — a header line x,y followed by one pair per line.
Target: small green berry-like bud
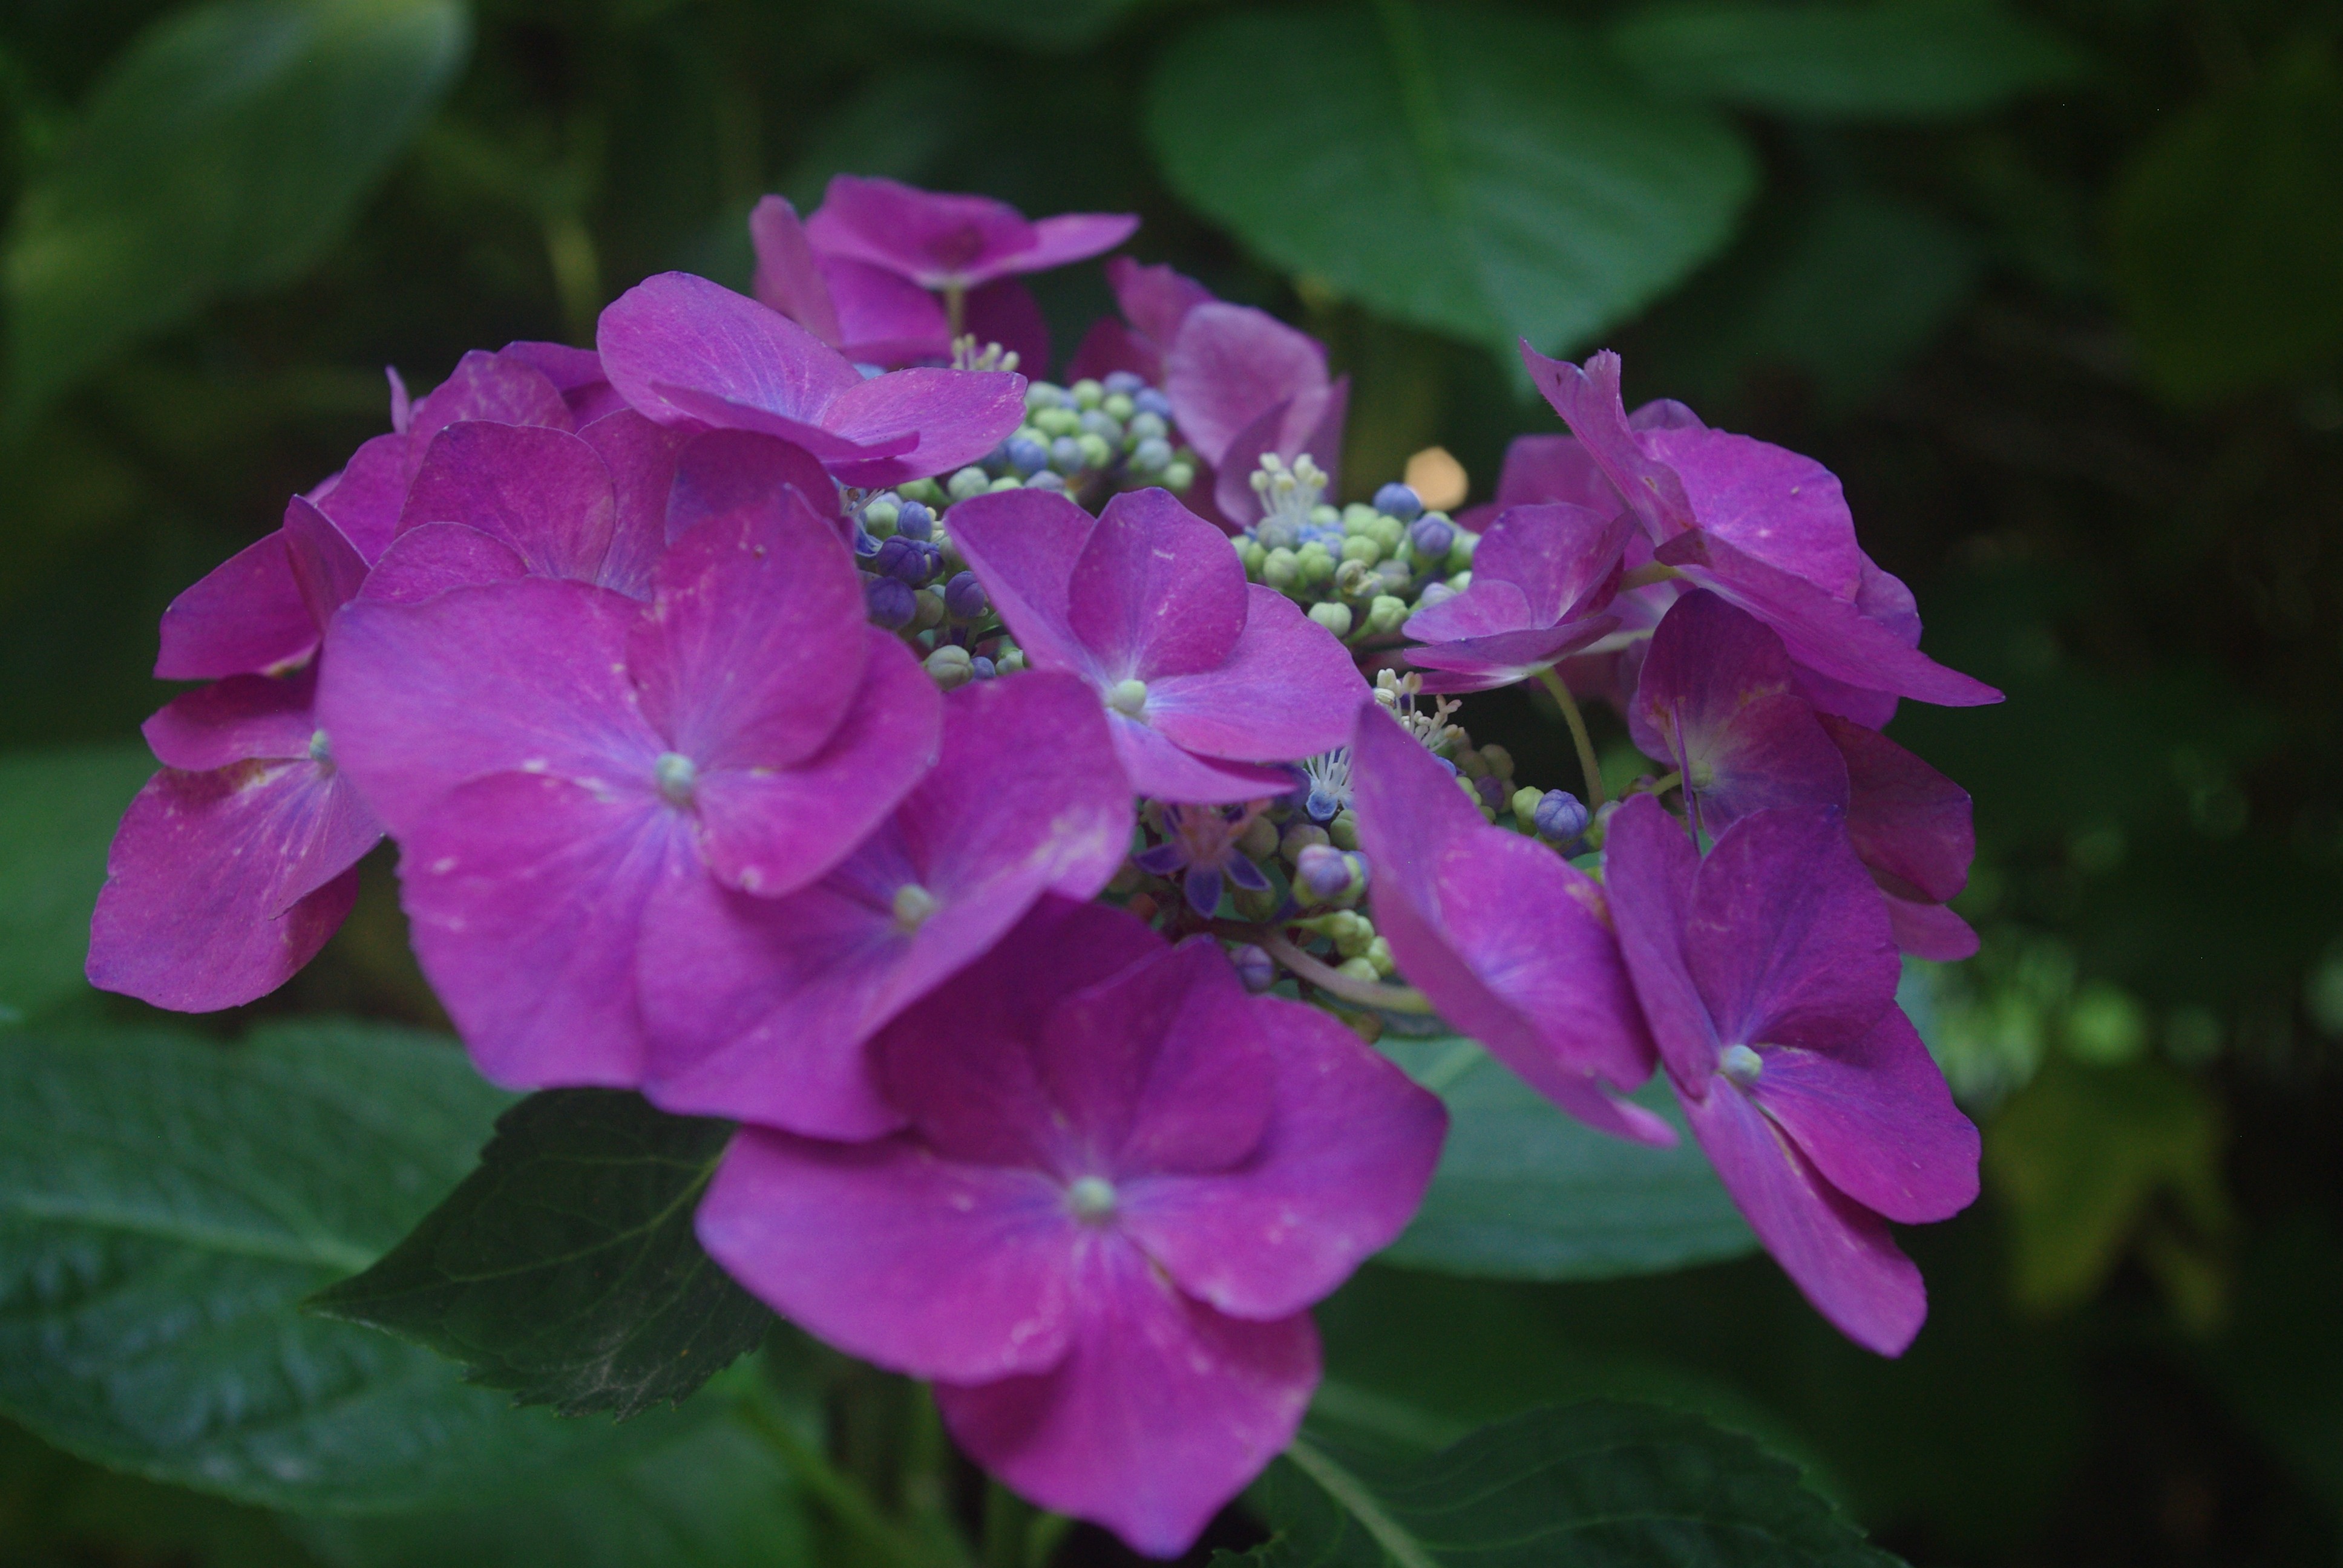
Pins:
x,y
1128,698
1379,954
951,666
1385,613
1096,453
878,516
1388,532
1526,805
1317,564
1356,516
1040,395
1260,839
1334,618
1499,761
1352,580
1471,764
927,492
1008,660
1280,568
1088,394
931,611
1056,422
1358,969
1178,477
970,481
1249,552
1344,829
1359,548
1460,554
1006,482
1299,837
1117,406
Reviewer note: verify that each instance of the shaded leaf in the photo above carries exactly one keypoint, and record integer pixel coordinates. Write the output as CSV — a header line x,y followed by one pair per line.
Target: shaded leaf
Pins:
x,y
58,814
164,1204
565,1268
1524,1192
1045,26
1486,173
221,155
1885,60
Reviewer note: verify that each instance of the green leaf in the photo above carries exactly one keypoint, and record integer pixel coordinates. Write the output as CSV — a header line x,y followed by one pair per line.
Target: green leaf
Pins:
x,y
1524,1192
221,155
713,1499
1595,1483
164,1204
1045,26
2225,230
58,814
1889,60
565,1268
1482,173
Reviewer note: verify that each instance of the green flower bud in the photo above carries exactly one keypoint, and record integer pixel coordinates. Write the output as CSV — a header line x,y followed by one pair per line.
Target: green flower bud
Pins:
x,y
1260,839
927,492
1499,761
1146,427
1249,552
950,665
1178,476
1008,659
1040,395
1056,422
1300,836
970,481
1460,554
1117,406
1280,568
930,612
1096,453
1379,954
1358,969
1359,548
1351,578
1334,618
1087,394
1316,564
1356,516
1343,830
1385,612
1526,805
878,516
1471,765
1461,581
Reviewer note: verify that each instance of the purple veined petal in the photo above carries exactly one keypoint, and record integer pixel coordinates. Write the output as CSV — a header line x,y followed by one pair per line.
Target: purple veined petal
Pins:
x,y
1156,591
1072,237
526,896
525,676
1649,869
958,415
1930,931
640,456
244,617
773,831
1708,660
1023,545
1564,559
734,474
1288,690
1872,709
1830,636
677,333
1588,401
1160,1412
787,279
1310,421
1766,501
542,491
700,408
220,886
1773,754
1111,345
1837,1252
1348,1151
402,405
497,387
1005,312
235,720
753,646
1785,936
1157,767
1483,663
428,560
570,369
931,237
961,1062
1877,1122
364,499
1154,300
1539,983
1162,1067
884,319
1547,469
1907,821
1489,607
1231,364
326,567
915,1262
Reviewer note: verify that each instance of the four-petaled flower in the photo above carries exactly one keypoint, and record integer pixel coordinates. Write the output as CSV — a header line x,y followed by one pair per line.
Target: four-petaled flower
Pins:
x,y
1202,844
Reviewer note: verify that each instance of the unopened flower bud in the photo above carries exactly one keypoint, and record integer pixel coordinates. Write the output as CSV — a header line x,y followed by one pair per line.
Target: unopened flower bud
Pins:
x,y
1396,500
1499,761
1344,828
1151,455
964,598
982,668
970,481
928,609
1353,578
1066,455
913,520
1123,381
1491,791
1057,421
951,666
879,515
1006,482
1600,828
1149,400
1433,594
1178,476
1026,454
1323,871
927,492
1280,568
1299,837
890,602
1358,969
1432,538
1334,618
1524,804
901,558
1040,395
1362,549
1096,453
1046,480
1087,392
1384,613
1459,551
1118,406
1254,967
1008,660
1147,427
1379,954
1260,839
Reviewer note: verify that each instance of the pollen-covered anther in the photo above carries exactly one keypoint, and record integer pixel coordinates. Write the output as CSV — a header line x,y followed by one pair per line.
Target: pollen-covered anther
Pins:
x,y
677,778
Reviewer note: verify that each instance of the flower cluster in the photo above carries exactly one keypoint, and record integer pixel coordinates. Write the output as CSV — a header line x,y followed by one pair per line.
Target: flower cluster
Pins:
x,y
974,788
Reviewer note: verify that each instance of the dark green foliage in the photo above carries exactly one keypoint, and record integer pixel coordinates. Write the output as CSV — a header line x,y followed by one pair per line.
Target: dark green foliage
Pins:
x,y
58,812
565,1268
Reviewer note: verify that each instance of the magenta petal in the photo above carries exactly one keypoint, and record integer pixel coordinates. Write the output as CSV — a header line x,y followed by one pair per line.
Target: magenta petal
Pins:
x,y
528,675
526,895
1160,1411
1589,403
1837,1252
1930,931
736,473
1231,364
1022,545
1783,508
958,415
245,616
787,279
221,885
1111,345
919,1265
1564,560
1157,767
1156,299
542,491
753,646
1787,937
1555,469
364,499
1649,870
1830,636
883,317
1004,312
425,562
1348,1151
933,239
1876,1119
640,456
327,566
1156,591
1288,690
1907,819
1708,660
676,331
502,388
1073,236
773,831
1309,421
235,720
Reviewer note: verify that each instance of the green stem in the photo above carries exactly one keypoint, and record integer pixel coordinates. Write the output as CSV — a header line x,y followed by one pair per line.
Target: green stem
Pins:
x,y
1041,1540
1008,1525
841,1498
1560,690
1325,977
1347,1489
955,309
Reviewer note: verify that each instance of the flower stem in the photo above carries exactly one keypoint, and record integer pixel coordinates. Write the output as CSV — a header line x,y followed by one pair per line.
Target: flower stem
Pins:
x,y
841,1498
1325,977
955,309
1009,1522
1560,690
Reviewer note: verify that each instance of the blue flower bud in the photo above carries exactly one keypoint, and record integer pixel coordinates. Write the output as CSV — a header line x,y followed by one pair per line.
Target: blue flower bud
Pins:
x,y
1561,817
1152,455
1278,531
1492,791
1040,395
1026,455
865,545
1331,873
1149,400
970,481
964,598
891,602
904,560
1066,455
913,520
1123,381
1046,480
1100,423
1431,538
983,666
1254,968
1396,500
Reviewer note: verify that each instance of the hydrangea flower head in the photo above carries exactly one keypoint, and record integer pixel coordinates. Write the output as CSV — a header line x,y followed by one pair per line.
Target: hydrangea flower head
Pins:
x,y
1123,1184
1205,677
942,241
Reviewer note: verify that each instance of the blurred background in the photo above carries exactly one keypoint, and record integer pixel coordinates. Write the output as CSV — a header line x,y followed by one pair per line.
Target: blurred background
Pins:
x,y
2054,285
